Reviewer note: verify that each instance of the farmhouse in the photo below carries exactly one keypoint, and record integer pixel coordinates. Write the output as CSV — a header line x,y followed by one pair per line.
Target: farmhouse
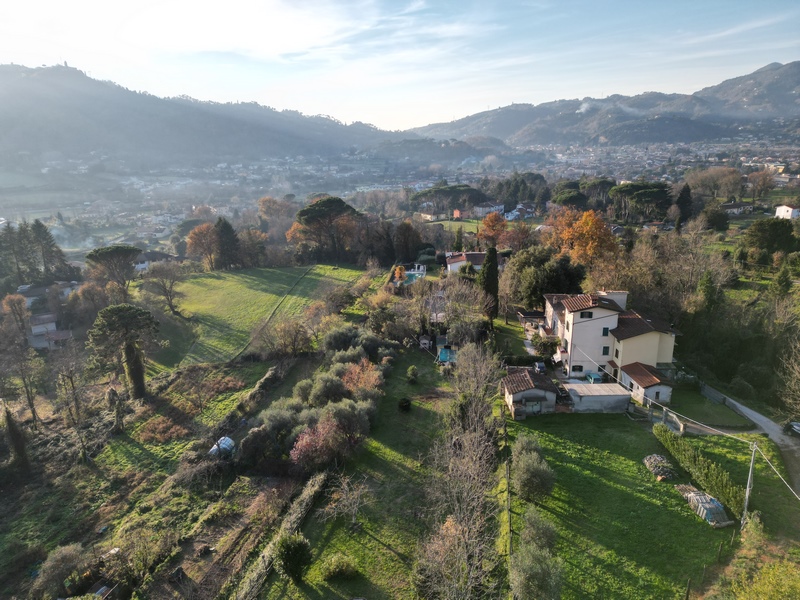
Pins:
x,y
736,208
481,210
787,211
146,259
459,259
598,334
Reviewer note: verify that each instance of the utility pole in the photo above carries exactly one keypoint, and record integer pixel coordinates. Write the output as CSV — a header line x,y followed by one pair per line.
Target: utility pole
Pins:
x,y
754,447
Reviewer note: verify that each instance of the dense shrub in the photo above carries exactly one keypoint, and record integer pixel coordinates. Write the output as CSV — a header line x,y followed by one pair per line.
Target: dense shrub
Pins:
x,y
532,477
327,388
709,475
292,556
351,355
62,564
537,530
341,338
525,444
535,573
338,566
302,389
411,374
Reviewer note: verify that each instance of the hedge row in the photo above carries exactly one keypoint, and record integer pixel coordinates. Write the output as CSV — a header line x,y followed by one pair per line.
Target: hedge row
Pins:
x,y
256,577
709,475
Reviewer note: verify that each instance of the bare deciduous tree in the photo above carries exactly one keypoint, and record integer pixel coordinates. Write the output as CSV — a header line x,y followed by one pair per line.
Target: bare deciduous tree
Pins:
x,y
347,497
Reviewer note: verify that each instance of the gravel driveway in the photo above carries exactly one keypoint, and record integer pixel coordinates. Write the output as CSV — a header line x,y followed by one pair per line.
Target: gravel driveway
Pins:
x,y
789,446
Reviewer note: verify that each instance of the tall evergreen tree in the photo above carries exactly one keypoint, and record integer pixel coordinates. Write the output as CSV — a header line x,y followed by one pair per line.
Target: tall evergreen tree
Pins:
x,y
228,252
684,202
49,254
488,279
123,330
458,246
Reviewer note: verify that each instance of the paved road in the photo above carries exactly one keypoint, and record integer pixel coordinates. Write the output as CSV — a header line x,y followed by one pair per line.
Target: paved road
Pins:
x,y
789,446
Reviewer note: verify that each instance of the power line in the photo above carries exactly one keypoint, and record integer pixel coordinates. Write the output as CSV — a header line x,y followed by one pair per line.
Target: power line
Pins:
x,y
751,444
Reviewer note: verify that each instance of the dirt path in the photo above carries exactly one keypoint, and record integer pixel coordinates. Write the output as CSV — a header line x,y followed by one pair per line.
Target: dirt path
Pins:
x,y
789,446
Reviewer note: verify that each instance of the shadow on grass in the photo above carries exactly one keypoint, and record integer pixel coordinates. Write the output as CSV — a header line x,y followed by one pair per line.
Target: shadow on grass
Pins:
x,y
623,535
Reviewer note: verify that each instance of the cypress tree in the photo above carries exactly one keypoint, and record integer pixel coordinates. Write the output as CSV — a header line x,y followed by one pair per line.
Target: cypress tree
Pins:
x,y
488,279
228,245
684,202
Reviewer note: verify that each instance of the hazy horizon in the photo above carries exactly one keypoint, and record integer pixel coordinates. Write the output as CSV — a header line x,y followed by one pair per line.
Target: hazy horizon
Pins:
x,y
399,67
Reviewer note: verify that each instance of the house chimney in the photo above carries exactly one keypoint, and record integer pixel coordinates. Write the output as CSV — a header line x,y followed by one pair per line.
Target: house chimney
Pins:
x,y
620,297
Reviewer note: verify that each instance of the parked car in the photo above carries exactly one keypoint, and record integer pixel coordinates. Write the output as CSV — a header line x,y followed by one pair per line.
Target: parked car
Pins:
x,y
792,428
540,368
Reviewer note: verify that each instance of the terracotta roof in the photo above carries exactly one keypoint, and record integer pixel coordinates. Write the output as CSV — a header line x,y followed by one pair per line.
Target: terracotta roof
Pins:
x,y
613,364
476,258
521,380
43,319
643,375
585,301
556,300
631,324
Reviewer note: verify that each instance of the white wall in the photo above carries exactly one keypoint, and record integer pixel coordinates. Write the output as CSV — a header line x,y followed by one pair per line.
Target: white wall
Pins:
x,y
586,339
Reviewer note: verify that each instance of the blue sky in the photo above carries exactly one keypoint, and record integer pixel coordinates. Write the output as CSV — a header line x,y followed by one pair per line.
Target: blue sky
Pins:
x,y
401,64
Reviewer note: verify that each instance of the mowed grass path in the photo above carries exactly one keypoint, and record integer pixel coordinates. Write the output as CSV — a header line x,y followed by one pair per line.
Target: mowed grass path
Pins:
x,y
228,305
621,533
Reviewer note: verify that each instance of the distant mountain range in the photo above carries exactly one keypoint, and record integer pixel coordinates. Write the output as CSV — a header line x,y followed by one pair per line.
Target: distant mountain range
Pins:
x,y
766,101
60,112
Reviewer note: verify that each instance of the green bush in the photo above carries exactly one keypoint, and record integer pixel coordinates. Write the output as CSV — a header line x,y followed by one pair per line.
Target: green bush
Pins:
x,y
535,573
532,477
292,556
338,566
537,530
709,475
411,374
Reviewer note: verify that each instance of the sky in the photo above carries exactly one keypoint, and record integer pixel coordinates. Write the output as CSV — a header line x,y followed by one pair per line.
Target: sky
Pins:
x,y
399,64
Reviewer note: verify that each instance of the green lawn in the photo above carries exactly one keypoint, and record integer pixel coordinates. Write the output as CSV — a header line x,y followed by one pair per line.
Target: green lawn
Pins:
x,y
384,547
621,533
225,307
694,405
510,339
780,510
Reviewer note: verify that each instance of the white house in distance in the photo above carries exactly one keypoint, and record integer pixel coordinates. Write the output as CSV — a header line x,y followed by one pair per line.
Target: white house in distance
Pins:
x,y
459,259
481,210
598,333
787,211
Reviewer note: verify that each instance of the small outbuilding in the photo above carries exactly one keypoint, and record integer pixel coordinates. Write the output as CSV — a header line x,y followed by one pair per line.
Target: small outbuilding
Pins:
x,y
646,383
598,397
528,393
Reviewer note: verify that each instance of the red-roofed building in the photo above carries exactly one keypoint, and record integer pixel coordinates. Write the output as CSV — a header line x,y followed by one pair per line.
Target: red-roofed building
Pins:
x,y
528,393
598,334
645,383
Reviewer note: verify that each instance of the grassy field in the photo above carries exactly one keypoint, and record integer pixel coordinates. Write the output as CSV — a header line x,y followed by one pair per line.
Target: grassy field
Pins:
x,y
383,547
225,307
621,533
694,405
780,510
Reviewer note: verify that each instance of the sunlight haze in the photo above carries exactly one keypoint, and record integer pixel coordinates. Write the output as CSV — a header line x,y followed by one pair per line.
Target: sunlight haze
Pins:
x,y
400,65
